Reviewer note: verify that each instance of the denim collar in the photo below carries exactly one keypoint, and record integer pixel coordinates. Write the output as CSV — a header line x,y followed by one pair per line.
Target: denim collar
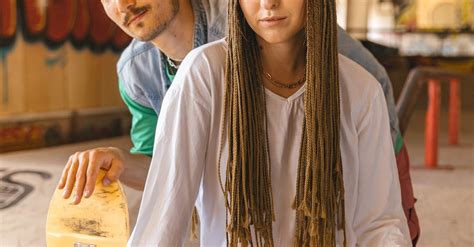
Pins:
x,y
200,23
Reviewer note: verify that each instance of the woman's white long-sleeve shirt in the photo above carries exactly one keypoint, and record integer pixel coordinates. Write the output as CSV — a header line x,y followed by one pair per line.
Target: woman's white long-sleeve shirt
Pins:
x,y
184,169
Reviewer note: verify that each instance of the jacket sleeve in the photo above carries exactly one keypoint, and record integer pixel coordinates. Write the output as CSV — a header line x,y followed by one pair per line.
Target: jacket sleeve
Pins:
x,y
379,219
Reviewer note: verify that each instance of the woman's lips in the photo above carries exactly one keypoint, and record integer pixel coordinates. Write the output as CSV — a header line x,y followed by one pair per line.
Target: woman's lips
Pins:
x,y
272,21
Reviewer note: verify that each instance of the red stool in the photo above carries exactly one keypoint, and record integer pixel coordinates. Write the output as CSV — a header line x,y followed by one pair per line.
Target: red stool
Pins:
x,y
432,119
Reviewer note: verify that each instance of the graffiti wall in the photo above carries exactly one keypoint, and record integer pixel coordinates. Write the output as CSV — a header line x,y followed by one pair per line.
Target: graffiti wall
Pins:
x,y
57,55
57,58
54,22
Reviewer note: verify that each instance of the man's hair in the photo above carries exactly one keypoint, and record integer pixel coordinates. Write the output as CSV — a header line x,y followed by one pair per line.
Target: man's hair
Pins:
x,y
319,201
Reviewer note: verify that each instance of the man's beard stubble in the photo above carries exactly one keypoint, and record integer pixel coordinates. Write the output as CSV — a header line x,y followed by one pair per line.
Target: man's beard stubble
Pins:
x,y
156,30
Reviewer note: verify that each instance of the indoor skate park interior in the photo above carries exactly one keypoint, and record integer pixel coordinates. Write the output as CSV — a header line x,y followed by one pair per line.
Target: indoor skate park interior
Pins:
x,y
59,94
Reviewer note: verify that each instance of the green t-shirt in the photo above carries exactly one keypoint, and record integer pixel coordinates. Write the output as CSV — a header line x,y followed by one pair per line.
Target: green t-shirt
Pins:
x,y
144,121
171,74
398,143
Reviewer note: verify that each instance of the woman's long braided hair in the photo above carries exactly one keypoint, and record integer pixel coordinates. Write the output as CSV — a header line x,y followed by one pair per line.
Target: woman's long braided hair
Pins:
x,y
319,201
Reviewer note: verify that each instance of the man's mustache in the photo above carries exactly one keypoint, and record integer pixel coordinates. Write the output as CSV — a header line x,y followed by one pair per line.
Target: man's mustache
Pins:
x,y
133,11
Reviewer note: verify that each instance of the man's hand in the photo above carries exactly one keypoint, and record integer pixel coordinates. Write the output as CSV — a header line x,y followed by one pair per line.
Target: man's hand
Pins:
x,y
82,169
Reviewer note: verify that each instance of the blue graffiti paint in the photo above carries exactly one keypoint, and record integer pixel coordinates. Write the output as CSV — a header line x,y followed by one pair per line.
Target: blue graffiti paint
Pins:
x,y
3,57
59,59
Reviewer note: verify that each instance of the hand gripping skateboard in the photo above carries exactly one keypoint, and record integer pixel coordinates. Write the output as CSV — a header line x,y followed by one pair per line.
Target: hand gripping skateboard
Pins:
x,y
99,221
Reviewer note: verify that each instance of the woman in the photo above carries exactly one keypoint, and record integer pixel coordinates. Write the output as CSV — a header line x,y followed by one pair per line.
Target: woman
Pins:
x,y
276,139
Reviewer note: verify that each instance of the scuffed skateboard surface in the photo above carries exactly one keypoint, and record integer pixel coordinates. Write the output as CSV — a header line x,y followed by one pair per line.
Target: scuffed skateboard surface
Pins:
x,y
101,220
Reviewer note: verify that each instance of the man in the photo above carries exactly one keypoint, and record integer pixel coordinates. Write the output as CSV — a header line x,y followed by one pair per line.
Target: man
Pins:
x,y
164,32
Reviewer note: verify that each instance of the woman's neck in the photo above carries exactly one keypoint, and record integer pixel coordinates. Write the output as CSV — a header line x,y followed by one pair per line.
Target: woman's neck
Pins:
x,y
285,62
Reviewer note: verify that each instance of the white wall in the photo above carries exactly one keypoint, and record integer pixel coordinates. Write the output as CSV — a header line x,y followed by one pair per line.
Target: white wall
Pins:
x,y
381,22
357,16
341,7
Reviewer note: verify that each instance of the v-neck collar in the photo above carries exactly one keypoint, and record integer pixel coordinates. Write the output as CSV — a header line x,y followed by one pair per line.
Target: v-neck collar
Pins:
x,y
290,99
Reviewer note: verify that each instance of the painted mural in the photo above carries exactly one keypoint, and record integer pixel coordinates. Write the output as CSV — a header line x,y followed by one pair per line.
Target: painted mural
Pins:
x,y
57,61
8,19
435,15
405,16
55,22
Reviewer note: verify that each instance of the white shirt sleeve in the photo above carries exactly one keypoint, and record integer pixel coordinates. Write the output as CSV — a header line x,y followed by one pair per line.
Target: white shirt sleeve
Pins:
x,y
176,169
378,219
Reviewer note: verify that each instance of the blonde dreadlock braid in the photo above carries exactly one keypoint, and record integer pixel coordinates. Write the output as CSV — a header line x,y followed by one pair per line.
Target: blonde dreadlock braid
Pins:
x,y
247,189
320,189
247,185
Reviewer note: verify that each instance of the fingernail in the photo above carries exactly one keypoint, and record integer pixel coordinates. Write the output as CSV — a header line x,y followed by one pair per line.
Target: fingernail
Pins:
x,y
64,193
87,193
76,199
106,181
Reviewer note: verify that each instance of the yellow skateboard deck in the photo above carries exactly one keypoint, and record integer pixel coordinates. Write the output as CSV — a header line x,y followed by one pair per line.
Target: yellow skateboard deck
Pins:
x,y
99,221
